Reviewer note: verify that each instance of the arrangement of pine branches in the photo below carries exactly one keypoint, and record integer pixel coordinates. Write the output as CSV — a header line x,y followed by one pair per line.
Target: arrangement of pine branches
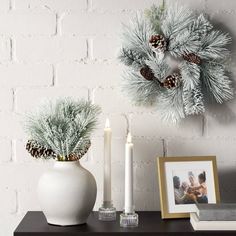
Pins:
x,y
182,35
61,129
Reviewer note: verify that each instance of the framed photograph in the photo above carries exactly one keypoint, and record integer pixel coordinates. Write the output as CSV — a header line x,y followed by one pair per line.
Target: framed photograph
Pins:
x,y
184,181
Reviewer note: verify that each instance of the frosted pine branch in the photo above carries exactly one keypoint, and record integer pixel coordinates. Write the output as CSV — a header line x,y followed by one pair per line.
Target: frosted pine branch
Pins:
x,y
64,126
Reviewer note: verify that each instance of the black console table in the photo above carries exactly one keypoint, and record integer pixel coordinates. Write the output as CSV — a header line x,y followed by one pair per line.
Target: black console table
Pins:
x,y
150,224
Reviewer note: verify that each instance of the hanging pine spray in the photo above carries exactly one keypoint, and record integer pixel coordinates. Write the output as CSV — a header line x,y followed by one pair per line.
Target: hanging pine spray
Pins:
x,y
178,33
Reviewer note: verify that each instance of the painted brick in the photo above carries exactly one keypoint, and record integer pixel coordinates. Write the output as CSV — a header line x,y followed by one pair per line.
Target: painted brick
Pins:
x,y
28,200
88,75
227,187
216,6
23,4
21,155
107,5
9,204
50,49
21,75
150,125
147,150
115,102
28,23
24,175
224,120
106,48
224,149
194,5
54,5
75,23
133,5
224,20
11,125
5,4
5,49
118,175
145,176
118,200
6,99
30,98
144,201
6,153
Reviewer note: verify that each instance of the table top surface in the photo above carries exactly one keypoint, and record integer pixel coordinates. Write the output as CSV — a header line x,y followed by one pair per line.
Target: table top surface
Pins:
x,y
35,222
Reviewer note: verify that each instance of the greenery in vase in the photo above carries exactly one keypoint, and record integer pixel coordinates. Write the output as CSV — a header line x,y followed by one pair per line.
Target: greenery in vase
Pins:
x,y
61,129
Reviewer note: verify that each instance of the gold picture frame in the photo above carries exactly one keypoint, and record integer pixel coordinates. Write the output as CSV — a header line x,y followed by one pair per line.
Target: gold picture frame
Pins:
x,y
161,162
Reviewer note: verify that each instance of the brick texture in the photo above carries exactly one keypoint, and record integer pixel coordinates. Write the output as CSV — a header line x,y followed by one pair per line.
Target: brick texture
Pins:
x,y
28,23
88,75
96,24
55,48
50,49
5,49
52,5
22,75
28,98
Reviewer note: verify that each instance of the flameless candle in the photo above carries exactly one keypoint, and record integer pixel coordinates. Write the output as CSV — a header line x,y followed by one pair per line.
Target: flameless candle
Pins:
x,y
107,212
129,175
107,164
129,218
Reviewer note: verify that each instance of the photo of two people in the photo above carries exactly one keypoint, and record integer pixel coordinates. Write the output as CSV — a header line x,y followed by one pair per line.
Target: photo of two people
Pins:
x,y
190,187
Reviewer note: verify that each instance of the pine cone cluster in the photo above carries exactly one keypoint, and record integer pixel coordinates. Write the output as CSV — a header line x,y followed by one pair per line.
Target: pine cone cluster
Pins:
x,y
193,58
147,73
158,43
37,151
77,156
171,81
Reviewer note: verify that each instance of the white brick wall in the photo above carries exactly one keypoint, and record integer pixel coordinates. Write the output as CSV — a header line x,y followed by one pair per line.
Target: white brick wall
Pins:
x,y
28,22
48,49
51,48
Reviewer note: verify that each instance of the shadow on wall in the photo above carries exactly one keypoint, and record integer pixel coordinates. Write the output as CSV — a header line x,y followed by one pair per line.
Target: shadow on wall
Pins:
x,y
225,28
222,113
227,185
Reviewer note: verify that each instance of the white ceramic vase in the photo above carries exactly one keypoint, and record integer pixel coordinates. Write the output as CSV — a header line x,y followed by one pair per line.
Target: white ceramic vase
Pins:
x,y
67,193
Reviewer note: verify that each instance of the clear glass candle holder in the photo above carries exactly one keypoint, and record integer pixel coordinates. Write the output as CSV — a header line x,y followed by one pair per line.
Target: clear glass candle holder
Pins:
x,y
128,219
107,212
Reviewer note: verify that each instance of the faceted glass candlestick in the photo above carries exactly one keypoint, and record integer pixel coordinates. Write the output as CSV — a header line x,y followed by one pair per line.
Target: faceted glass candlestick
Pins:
x,y
129,219
107,212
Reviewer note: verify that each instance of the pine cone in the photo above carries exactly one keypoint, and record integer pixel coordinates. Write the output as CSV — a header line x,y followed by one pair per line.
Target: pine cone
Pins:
x,y
171,81
37,151
158,43
147,73
77,156
193,58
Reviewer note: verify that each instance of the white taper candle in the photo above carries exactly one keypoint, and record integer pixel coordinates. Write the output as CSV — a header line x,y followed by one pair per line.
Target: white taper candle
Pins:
x,y
129,175
107,164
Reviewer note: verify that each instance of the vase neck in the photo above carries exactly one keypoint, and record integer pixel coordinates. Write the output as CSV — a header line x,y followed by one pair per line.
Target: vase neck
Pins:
x,y
67,164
